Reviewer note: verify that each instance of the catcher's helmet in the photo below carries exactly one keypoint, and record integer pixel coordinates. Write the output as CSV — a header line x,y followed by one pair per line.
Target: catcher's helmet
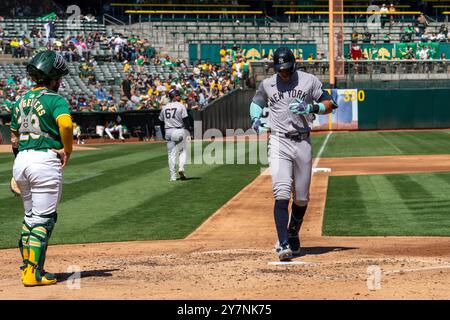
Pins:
x,y
173,94
47,65
283,58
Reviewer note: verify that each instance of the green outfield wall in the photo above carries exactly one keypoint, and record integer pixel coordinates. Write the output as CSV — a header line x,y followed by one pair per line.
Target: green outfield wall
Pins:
x,y
403,109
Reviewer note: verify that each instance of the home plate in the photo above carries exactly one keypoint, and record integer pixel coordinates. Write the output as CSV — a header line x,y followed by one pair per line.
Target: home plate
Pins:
x,y
278,263
315,170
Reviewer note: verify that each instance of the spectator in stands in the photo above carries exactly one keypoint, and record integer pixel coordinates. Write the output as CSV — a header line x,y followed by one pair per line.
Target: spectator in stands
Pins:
x,y
140,63
355,52
423,53
50,32
164,98
35,32
443,29
126,87
442,35
100,93
26,82
367,36
84,69
408,54
422,24
355,37
408,33
82,104
70,52
431,52
384,18
392,13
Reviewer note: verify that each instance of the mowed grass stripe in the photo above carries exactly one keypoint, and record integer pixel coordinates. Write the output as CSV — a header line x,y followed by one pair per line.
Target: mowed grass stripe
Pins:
x,y
360,144
95,170
138,191
395,205
112,152
164,210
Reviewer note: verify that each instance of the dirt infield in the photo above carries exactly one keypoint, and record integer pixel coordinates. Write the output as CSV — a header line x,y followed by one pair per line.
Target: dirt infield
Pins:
x,y
230,255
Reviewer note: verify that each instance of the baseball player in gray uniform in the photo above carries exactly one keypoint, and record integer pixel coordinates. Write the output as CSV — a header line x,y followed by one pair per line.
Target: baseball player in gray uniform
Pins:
x,y
175,118
292,97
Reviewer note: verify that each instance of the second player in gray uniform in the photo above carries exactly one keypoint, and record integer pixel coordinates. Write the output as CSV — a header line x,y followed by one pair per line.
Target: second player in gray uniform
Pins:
x,y
292,97
175,118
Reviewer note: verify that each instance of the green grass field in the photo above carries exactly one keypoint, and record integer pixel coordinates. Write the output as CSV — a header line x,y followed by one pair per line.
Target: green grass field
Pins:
x,y
391,204
359,144
122,192
388,205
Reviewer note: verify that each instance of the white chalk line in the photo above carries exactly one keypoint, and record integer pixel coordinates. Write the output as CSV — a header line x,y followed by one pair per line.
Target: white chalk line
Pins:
x,y
322,148
233,251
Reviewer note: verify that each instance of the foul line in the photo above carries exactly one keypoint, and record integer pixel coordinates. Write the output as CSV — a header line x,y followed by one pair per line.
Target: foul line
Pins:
x,y
322,148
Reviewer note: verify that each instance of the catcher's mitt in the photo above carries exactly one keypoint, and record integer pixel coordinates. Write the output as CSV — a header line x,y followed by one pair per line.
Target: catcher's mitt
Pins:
x,y
14,187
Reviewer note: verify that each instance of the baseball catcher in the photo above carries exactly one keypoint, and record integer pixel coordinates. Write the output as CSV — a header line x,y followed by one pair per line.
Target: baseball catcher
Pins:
x,y
293,97
41,136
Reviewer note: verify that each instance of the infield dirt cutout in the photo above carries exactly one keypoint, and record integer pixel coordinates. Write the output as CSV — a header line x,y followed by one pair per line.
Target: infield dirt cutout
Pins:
x,y
229,256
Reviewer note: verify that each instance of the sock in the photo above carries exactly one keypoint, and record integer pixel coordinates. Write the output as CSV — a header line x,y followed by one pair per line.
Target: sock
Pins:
x,y
281,215
297,215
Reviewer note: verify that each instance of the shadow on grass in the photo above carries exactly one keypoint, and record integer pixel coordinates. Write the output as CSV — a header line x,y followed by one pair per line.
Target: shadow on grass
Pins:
x,y
192,178
64,276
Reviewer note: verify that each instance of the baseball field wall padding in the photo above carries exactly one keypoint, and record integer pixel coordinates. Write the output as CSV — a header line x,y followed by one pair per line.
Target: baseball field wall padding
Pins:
x,y
228,112
252,51
404,109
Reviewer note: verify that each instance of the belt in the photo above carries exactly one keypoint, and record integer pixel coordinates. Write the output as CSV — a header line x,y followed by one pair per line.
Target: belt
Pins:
x,y
297,136
175,128
40,150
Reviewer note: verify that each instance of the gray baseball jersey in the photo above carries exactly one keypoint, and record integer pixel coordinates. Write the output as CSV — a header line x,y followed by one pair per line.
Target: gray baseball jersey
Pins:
x,y
173,114
277,95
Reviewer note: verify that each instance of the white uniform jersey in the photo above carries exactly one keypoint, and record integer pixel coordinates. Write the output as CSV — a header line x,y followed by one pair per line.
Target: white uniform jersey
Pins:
x,y
275,94
173,114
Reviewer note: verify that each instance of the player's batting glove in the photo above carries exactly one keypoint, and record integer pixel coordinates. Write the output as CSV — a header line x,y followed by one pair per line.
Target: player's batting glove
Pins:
x,y
300,107
259,127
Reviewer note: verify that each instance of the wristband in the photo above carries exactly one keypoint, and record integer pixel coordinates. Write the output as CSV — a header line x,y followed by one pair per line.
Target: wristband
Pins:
x,y
318,108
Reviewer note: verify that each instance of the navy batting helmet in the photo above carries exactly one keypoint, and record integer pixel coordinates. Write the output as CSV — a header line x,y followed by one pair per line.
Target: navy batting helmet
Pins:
x,y
173,94
283,59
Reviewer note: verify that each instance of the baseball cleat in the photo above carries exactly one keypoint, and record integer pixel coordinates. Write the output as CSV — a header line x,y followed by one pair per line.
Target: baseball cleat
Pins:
x,y
294,243
284,252
182,175
32,278
23,270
